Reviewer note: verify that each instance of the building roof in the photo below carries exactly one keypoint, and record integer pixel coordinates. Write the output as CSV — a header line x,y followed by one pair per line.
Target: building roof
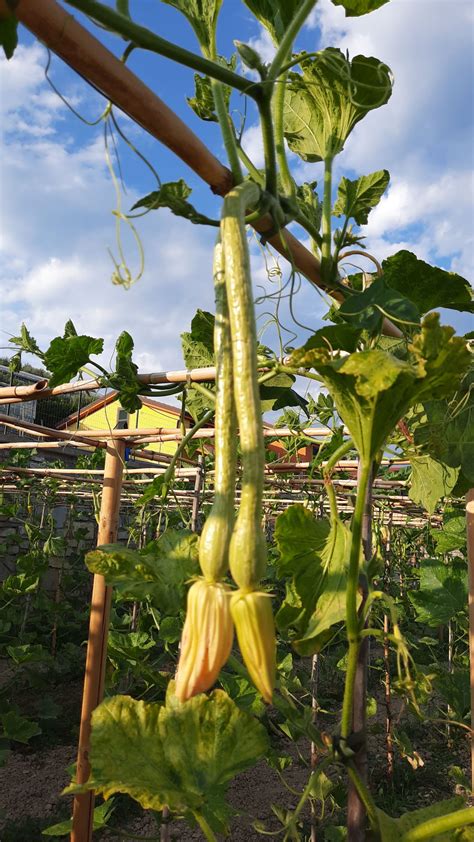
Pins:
x,y
109,398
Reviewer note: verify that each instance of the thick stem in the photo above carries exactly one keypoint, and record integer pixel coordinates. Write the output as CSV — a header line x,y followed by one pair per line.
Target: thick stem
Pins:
x,y
326,261
148,40
434,827
287,181
266,120
352,617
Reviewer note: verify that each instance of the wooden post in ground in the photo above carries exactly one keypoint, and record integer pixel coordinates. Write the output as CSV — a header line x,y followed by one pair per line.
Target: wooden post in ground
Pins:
x,y
470,566
97,642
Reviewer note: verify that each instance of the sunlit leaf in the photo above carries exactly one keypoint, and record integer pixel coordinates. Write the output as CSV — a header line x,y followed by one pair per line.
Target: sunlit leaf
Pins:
x,y
392,830
355,199
427,286
173,195
180,754
198,352
328,99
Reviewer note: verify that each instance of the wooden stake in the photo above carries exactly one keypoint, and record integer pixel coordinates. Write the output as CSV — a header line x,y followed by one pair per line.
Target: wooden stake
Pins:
x,y
97,642
470,566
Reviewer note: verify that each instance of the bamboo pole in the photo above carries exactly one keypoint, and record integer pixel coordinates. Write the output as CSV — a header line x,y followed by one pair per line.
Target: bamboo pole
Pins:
x,y
97,642
98,66
23,391
470,564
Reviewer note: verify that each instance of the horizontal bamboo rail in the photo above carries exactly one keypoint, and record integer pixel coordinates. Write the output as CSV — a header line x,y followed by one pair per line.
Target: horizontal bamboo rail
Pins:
x,y
97,65
23,391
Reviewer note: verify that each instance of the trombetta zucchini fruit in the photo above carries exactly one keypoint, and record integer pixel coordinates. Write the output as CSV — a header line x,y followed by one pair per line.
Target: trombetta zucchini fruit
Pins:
x,y
208,631
251,609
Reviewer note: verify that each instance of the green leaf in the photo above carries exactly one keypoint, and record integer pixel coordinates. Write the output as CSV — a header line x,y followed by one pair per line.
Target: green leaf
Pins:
x,y
173,196
202,15
430,481
66,355
442,593
18,728
198,352
334,338
366,310
124,378
202,102
354,8
427,286
392,830
356,198
373,389
300,538
159,572
309,204
26,342
274,15
101,816
323,105
181,755
331,605
28,653
8,33
453,535
446,430
455,689
277,393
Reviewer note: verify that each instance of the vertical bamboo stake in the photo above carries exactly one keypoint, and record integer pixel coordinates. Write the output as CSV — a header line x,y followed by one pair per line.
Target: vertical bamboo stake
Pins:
x,y
97,643
355,808
470,565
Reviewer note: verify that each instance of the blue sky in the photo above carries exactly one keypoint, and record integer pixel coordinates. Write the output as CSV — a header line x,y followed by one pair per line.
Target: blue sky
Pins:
x,y
57,196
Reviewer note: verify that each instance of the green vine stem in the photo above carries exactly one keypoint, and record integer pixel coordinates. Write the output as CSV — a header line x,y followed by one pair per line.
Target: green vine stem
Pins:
x,y
352,618
327,470
286,43
148,40
208,833
268,137
287,180
226,126
167,476
326,262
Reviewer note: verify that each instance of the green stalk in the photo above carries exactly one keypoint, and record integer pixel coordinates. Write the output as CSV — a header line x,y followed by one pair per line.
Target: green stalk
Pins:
x,y
266,120
148,40
287,181
363,794
286,43
442,824
227,133
326,262
352,619
208,833
184,442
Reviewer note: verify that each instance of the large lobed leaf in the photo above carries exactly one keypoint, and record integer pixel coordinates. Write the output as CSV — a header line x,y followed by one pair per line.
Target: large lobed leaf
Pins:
x,y
198,352
442,593
326,101
430,481
355,8
373,389
158,573
180,754
427,286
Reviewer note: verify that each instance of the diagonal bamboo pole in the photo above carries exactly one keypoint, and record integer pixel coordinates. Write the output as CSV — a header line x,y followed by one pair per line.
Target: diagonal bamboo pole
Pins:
x,y
97,642
97,65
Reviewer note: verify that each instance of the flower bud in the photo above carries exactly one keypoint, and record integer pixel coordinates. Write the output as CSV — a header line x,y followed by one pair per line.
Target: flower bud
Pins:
x,y
253,618
206,640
